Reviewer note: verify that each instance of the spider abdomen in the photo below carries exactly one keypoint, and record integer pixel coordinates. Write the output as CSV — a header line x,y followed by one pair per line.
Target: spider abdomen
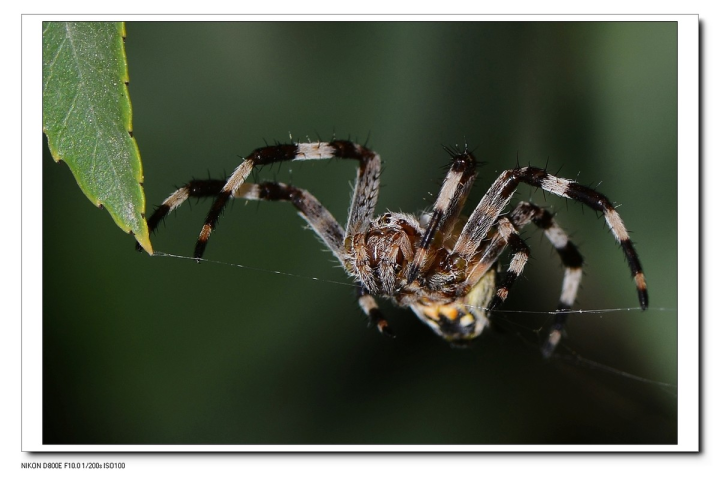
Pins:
x,y
462,319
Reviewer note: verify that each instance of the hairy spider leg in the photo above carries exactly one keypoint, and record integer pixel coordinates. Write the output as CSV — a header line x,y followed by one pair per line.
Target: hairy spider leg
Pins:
x,y
324,225
366,185
194,188
520,255
309,208
370,308
497,197
448,205
505,234
571,260
315,214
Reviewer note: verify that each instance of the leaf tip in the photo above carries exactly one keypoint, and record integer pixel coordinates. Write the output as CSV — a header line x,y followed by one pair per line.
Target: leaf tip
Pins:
x,y
144,242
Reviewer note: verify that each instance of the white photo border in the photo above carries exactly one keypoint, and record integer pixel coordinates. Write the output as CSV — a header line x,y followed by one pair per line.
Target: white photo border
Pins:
x,y
688,247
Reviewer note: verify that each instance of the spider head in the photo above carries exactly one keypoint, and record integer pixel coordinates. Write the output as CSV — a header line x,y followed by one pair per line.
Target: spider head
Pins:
x,y
380,255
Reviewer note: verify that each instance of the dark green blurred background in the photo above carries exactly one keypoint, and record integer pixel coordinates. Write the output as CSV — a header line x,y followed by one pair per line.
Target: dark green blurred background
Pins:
x,y
141,350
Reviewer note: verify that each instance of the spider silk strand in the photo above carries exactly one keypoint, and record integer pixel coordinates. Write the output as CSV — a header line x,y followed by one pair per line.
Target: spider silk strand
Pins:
x,y
348,284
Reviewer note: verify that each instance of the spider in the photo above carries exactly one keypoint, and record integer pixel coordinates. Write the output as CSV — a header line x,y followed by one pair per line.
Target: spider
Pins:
x,y
442,265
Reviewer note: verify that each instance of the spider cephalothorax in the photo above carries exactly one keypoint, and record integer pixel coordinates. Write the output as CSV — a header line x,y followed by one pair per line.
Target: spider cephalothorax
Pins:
x,y
380,257
442,265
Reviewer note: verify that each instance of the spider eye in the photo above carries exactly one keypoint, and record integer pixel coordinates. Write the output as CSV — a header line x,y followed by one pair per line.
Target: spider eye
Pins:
x,y
386,219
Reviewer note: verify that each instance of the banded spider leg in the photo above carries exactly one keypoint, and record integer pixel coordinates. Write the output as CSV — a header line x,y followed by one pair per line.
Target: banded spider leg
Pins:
x,y
487,214
317,216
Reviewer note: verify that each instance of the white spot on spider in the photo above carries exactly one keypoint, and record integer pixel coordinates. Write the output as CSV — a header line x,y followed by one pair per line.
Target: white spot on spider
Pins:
x,y
248,191
314,151
238,176
518,262
177,198
448,191
556,185
553,339
616,225
557,237
367,303
570,285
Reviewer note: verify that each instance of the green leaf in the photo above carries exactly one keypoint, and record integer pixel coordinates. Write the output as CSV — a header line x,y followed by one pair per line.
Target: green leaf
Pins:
x,y
87,117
